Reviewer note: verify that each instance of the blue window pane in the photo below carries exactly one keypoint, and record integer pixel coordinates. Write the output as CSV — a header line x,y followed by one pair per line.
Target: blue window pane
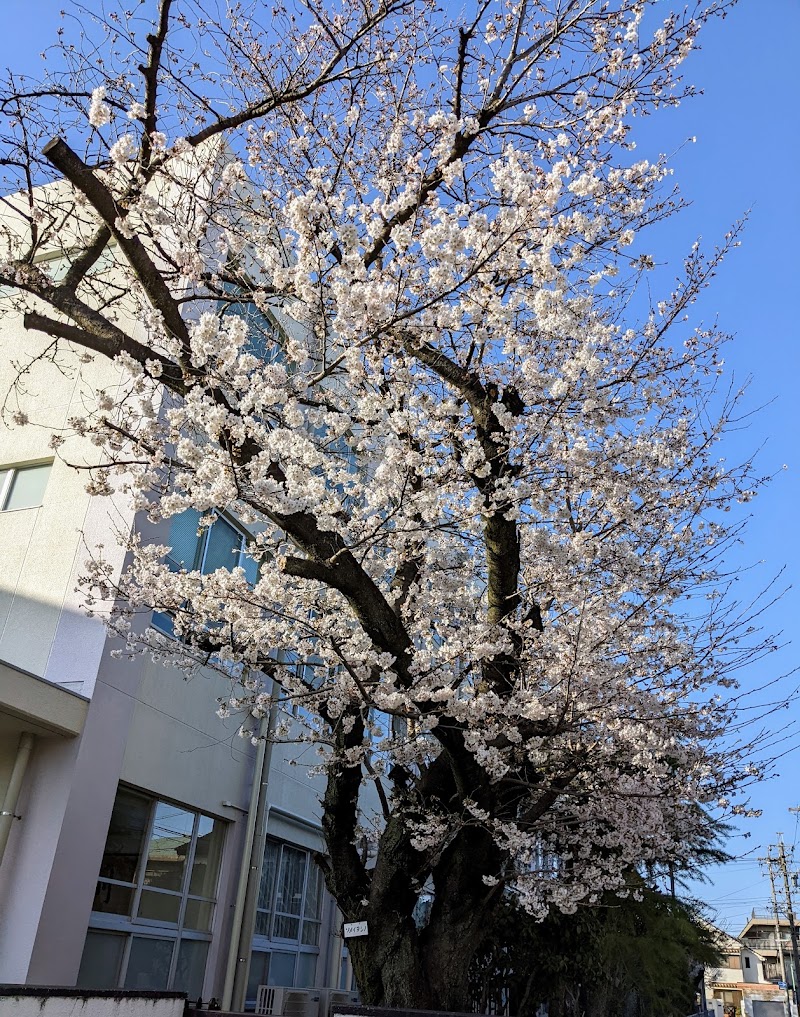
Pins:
x,y
250,569
264,338
184,541
102,955
164,622
223,547
259,966
169,846
149,963
281,969
191,967
306,970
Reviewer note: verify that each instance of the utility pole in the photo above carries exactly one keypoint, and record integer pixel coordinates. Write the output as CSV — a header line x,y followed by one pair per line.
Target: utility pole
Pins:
x,y
778,942
790,916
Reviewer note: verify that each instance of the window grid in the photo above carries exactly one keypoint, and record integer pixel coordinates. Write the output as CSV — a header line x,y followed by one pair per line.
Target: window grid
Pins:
x,y
276,912
191,545
138,885
131,925
182,893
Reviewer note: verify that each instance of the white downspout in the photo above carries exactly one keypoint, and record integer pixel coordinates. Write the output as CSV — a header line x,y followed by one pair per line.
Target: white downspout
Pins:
x,y
252,862
8,812
250,904
244,871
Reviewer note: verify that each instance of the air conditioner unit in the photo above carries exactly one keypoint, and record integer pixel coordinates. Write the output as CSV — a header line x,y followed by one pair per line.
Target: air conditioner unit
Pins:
x,y
269,1000
301,1003
336,997
284,1001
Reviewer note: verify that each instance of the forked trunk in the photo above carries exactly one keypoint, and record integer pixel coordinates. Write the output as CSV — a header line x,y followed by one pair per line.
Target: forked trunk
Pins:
x,y
393,969
427,968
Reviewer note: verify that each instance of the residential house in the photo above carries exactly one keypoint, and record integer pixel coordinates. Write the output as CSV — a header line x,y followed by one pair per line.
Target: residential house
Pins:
x,y
742,984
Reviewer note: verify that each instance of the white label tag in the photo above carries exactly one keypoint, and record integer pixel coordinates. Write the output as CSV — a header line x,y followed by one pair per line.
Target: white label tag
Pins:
x,y
352,929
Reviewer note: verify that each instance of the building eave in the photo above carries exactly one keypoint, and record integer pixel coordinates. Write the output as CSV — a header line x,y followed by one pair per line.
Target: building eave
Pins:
x,y
39,705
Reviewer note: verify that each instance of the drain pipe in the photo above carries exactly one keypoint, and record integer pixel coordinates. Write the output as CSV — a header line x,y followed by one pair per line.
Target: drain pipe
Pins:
x,y
9,810
244,915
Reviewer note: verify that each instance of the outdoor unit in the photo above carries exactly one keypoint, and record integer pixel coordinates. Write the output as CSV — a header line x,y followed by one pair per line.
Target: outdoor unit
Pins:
x,y
335,997
301,1003
282,1001
269,1000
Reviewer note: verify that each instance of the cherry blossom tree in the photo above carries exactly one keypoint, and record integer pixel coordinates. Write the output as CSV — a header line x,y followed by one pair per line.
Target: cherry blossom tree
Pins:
x,y
376,277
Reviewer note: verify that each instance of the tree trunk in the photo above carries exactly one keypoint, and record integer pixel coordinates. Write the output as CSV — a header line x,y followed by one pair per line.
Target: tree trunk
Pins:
x,y
392,968
398,964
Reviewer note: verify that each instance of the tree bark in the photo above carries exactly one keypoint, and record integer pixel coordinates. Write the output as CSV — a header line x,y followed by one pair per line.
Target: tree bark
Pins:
x,y
399,964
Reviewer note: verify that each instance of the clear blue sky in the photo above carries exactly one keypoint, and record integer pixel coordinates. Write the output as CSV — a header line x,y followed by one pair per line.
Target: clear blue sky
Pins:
x,y
747,156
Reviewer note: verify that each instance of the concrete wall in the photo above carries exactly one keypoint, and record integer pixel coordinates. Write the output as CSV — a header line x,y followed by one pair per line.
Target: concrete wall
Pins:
x,y
34,1002
724,974
177,746
27,863
754,970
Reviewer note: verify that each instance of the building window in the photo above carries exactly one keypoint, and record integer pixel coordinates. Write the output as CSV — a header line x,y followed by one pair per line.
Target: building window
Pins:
x,y
747,962
265,338
220,545
206,548
23,487
288,919
155,898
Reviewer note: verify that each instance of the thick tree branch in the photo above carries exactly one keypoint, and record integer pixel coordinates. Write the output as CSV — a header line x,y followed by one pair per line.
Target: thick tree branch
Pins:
x,y
107,340
102,200
85,260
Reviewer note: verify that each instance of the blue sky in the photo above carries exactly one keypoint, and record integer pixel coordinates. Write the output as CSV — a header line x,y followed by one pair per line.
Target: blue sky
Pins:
x,y
746,157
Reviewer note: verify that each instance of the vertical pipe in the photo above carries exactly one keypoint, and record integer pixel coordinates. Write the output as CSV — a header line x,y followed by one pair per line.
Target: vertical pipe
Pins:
x,y
250,899
8,812
244,871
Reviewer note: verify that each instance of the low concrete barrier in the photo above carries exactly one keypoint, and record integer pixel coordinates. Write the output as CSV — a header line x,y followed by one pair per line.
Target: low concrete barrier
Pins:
x,y
351,1010
57,1001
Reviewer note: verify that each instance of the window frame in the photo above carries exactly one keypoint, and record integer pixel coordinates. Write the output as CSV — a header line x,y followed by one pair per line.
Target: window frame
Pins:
x,y
204,539
7,484
270,943
131,926
162,621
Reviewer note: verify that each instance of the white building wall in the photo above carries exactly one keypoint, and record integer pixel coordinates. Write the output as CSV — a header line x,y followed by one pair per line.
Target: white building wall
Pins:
x,y
27,863
43,549
146,726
